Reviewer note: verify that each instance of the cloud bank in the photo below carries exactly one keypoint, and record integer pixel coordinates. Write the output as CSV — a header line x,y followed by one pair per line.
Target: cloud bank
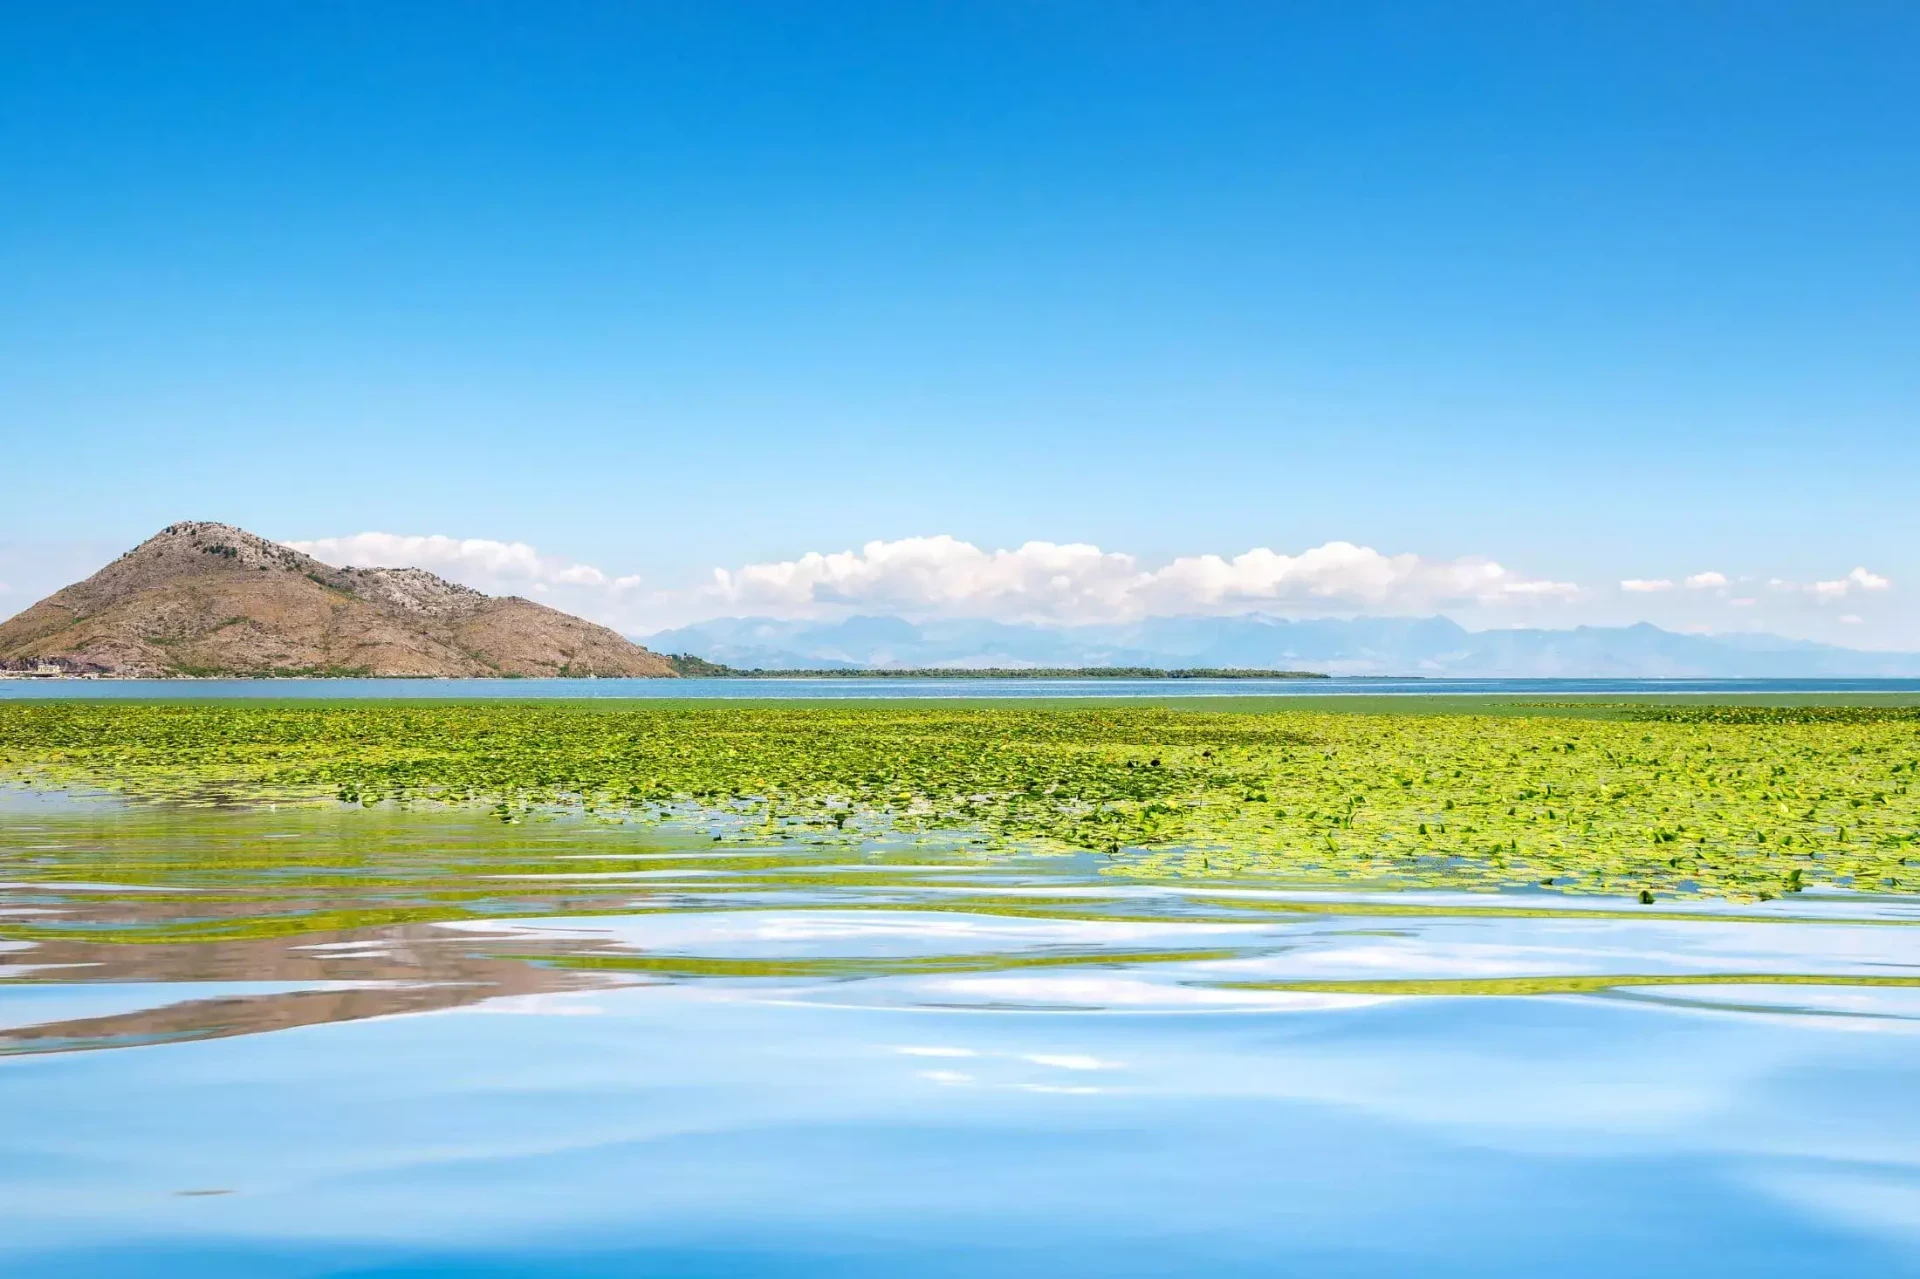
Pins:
x,y
1853,583
475,561
1049,583
1077,583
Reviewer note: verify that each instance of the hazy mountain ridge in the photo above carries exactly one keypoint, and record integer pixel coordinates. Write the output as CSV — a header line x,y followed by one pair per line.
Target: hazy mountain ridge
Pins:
x,y
209,599
1432,646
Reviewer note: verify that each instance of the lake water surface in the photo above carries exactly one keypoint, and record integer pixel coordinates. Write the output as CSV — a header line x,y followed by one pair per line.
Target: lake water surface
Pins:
x,y
867,689
377,1042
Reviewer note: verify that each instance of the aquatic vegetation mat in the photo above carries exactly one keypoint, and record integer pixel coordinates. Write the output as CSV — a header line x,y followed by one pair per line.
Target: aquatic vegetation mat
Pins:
x,y
1645,801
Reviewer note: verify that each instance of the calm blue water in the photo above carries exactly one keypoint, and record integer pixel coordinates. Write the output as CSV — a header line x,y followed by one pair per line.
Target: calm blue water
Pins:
x,y
927,688
900,1061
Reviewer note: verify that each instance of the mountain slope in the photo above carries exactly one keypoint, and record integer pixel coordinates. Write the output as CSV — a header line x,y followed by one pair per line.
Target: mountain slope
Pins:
x,y
211,599
1433,646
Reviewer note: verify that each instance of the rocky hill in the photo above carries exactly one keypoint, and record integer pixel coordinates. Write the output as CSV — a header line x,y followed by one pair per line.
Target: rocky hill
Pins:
x,y
211,599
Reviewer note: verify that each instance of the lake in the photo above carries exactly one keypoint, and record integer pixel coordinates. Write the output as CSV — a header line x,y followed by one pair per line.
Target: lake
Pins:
x,y
869,689
374,1041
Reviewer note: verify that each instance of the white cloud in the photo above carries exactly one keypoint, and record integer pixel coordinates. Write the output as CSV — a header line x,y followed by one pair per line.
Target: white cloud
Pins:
x,y
1851,619
476,561
1561,590
1708,580
1836,588
1858,580
1641,585
1047,581
941,574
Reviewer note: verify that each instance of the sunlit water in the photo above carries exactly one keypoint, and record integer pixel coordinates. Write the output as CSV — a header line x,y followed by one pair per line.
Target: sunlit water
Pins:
x,y
569,1048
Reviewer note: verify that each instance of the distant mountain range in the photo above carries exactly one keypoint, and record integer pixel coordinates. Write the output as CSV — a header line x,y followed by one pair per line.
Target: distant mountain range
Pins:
x,y
1431,646
210,599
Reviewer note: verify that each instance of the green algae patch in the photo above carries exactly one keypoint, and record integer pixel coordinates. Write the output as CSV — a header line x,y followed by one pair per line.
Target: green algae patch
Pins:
x,y
1642,802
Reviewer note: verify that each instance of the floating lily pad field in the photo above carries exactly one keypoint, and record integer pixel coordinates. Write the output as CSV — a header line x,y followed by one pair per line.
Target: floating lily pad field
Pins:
x,y
1643,801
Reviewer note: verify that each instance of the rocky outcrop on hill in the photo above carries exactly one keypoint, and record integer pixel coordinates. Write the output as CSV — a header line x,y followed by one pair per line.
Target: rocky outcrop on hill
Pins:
x,y
210,599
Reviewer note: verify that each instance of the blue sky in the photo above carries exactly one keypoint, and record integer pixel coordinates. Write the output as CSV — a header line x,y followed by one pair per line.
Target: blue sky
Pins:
x,y
1597,293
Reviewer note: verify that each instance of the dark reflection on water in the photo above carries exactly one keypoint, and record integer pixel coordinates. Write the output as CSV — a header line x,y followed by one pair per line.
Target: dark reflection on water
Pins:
x,y
306,1042
327,977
